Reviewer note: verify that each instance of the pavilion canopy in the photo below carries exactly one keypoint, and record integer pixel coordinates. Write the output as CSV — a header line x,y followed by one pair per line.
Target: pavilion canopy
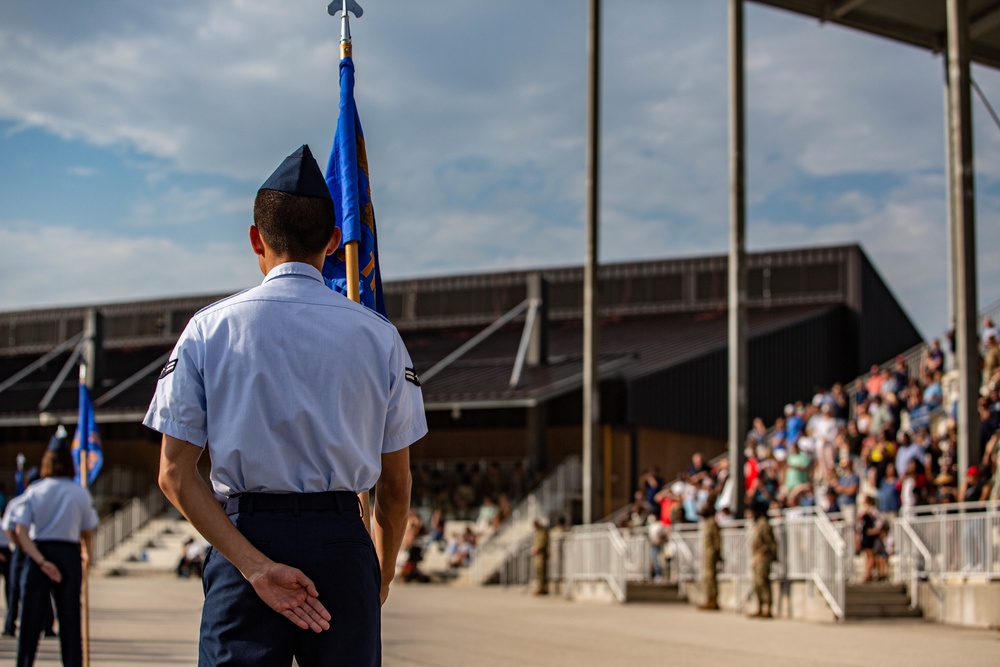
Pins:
x,y
921,23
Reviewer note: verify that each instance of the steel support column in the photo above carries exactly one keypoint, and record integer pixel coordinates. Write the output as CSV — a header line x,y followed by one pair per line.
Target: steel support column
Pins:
x,y
591,301
962,226
737,284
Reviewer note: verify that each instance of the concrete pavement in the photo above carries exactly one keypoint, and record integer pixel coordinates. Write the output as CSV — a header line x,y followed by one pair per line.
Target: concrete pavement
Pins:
x,y
153,621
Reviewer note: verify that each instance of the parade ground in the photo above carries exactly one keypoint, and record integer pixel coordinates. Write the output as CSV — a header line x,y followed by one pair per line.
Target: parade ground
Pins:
x,y
153,621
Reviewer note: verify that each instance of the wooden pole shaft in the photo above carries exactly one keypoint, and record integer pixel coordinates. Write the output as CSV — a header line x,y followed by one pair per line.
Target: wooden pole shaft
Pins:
x,y
353,282
354,294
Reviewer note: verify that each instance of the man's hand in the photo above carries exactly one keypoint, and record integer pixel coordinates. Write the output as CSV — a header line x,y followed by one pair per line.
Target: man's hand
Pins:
x,y
292,594
285,589
51,571
383,594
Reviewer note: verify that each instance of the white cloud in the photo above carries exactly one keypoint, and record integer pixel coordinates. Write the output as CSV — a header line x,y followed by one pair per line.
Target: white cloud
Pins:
x,y
185,207
57,266
475,117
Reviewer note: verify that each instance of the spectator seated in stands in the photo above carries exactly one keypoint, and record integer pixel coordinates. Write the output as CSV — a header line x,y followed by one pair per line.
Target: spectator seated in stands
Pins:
x,y
461,548
484,519
192,559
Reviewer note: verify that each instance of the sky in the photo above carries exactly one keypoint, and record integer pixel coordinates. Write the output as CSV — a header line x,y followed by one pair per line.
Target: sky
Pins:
x,y
134,136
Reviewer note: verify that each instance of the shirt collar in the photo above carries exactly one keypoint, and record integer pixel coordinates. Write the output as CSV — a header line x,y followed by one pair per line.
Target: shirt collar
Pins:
x,y
294,269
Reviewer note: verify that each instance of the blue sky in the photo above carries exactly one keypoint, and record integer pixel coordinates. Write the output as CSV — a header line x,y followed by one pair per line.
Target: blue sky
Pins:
x,y
133,137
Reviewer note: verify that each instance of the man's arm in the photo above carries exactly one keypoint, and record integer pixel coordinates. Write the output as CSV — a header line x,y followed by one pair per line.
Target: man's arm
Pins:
x,y
285,589
392,505
86,547
31,549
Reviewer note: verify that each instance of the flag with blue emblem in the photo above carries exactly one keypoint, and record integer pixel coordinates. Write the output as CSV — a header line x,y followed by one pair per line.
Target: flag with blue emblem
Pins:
x,y
347,178
87,439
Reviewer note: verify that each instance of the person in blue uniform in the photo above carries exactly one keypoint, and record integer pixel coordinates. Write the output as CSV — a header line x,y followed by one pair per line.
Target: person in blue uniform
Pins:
x,y
54,529
304,400
18,562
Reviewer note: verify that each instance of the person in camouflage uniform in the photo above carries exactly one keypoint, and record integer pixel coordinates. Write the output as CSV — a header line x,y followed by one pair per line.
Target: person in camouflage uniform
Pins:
x,y
540,558
764,548
711,556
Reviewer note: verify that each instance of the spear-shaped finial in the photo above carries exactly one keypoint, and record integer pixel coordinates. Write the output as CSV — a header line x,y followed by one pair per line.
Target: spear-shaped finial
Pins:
x,y
345,6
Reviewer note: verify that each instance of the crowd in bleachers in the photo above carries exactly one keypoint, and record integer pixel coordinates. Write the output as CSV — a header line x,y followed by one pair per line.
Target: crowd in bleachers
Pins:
x,y
471,491
887,446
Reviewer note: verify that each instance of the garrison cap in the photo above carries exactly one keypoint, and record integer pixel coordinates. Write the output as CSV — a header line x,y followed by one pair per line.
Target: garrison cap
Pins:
x,y
58,444
298,175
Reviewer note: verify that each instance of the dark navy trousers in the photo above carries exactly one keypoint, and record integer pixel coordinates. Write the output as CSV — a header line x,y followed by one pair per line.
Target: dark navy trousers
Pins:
x,y
13,591
5,573
18,563
37,594
333,548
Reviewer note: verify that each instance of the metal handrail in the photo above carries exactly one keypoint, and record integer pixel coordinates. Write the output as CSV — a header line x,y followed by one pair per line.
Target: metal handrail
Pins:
x,y
836,597
915,541
606,562
957,539
551,495
126,522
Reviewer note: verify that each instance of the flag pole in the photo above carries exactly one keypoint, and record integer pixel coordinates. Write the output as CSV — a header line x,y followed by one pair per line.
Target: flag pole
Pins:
x,y
85,585
351,248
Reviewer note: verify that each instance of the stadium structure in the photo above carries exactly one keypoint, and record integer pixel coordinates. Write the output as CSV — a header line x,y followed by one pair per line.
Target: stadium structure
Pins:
x,y
500,355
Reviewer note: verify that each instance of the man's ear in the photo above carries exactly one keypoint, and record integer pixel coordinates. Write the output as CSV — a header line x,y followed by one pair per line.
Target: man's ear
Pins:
x,y
334,241
256,242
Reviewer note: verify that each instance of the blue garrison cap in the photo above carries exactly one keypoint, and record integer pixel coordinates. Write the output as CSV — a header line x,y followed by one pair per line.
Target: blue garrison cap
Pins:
x,y
298,175
58,444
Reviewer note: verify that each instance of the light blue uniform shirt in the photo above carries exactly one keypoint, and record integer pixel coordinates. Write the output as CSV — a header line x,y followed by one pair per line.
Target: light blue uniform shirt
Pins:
x,y
55,508
13,507
295,388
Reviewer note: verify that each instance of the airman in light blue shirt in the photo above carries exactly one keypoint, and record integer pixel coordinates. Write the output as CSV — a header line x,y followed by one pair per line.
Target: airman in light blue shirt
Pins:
x,y
336,402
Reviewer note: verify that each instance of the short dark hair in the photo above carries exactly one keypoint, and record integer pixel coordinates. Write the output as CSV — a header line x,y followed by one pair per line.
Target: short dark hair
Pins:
x,y
57,463
292,225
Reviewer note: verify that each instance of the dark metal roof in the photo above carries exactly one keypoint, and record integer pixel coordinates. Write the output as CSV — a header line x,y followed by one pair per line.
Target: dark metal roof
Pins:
x,y
630,348
921,23
655,316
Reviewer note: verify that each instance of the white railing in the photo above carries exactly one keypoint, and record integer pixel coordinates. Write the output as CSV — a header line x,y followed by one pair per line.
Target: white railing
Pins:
x,y
953,540
686,549
550,498
596,553
833,562
912,558
126,522
736,560
811,547
516,569
638,556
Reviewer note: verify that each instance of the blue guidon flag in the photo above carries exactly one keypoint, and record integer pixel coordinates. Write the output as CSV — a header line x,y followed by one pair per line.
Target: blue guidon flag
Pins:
x,y
347,178
88,439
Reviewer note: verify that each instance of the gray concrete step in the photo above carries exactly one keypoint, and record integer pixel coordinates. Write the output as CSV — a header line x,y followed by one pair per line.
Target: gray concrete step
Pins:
x,y
878,600
154,550
637,591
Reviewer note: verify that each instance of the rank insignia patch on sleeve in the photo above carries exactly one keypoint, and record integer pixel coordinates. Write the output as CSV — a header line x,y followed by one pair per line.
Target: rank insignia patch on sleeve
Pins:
x,y
168,369
411,376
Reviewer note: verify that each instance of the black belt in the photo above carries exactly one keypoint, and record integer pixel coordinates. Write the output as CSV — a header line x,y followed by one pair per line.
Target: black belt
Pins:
x,y
328,501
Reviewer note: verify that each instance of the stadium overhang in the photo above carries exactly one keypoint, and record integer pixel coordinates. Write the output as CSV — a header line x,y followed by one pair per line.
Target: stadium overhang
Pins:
x,y
921,23
964,31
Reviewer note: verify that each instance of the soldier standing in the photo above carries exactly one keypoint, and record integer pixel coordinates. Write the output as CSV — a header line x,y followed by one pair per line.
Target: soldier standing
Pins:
x,y
540,558
711,556
765,552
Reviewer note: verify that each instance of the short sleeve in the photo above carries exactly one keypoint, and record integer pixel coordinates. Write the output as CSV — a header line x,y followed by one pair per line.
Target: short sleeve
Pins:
x,y
21,514
178,408
405,421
